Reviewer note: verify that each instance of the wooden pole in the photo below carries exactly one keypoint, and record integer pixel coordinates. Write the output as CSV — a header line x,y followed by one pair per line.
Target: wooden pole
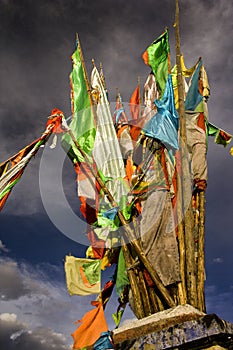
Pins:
x,y
187,203
182,293
201,255
148,309
137,300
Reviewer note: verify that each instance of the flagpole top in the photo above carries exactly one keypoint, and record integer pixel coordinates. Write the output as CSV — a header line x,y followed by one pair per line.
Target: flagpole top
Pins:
x,y
93,62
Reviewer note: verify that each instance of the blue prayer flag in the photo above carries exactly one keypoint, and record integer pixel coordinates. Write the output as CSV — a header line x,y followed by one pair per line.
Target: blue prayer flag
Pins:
x,y
165,123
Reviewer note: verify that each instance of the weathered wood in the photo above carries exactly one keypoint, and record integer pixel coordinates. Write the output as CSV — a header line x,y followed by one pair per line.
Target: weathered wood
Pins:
x,y
144,295
201,255
196,223
182,293
153,299
148,310
137,300
185,179
191,281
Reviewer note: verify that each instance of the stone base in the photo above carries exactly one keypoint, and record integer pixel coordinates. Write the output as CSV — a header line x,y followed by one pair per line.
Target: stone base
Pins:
x,y
182,327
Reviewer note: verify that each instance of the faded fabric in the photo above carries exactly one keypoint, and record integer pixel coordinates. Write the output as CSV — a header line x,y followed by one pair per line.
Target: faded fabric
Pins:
x,y
12,169
158,236
196,113
150,92
106,152
197,147
125,141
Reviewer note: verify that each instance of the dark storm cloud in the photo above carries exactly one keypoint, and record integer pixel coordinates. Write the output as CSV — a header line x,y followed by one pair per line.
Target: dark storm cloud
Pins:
x,y
36,41
16,335
12,286
38,297
18,280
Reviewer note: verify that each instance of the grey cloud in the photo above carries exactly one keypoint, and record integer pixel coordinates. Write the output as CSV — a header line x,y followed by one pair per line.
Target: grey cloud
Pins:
x,y
218,260
21,280
37,299
12,286
16,335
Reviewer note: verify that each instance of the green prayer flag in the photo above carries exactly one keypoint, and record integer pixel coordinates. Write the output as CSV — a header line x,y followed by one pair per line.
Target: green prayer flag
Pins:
x,y
221,136
117,316
156,56
122,279
82,124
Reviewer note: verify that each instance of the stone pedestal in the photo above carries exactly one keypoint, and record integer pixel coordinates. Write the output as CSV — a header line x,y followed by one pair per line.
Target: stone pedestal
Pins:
x,y
182,327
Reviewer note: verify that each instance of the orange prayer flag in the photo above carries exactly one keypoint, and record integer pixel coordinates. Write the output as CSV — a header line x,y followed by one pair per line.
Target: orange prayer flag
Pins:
x,y
92,325
135,104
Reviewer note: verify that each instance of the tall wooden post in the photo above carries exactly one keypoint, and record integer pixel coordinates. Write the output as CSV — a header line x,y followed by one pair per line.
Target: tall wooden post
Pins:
x,y
201,254
188,218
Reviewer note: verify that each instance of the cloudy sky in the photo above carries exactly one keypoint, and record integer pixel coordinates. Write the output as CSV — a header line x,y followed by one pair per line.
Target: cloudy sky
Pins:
x,y
38,227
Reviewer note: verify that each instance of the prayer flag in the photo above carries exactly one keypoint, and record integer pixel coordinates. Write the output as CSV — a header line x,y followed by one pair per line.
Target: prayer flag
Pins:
x,y
92,325
164,124
194,97
117,316
82,275
104,342
82,124
221,136
150,92
106,152
198,91
119,116
157,57
186,73
122,280
135,103
12,169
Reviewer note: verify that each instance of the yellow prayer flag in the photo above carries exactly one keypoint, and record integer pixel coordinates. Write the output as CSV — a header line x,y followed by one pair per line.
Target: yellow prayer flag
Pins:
x,y
82,275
